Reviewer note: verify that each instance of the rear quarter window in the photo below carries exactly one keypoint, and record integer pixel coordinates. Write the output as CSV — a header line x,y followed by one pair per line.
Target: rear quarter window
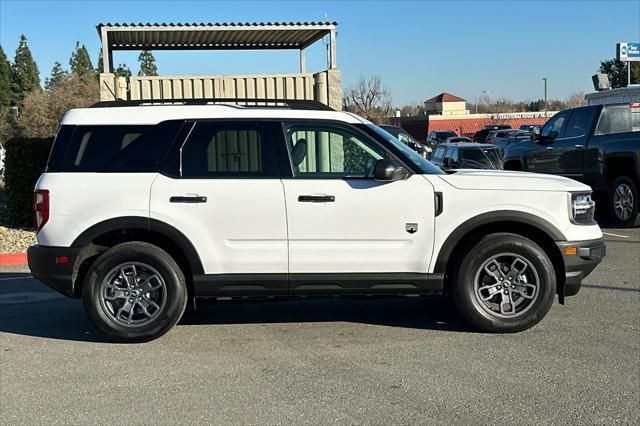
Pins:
x,y
112,148
618,119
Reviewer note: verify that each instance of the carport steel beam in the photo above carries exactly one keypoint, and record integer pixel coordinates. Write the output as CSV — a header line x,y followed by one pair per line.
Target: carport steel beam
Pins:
x,y
164,37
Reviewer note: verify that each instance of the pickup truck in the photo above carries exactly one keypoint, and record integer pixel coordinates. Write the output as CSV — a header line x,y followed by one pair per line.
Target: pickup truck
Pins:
x,y
598,145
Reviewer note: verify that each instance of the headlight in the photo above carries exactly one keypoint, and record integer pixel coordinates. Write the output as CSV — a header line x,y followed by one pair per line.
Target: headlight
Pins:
x,y
582,208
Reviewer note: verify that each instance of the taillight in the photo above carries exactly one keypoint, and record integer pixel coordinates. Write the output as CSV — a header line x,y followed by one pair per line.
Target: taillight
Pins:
x,y
40,208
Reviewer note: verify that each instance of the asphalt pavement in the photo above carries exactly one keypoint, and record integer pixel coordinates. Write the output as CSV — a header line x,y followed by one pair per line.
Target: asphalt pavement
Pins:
x,y
404,360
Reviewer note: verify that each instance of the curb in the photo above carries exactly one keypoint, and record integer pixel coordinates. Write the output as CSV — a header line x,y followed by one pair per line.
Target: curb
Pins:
x,y
13,259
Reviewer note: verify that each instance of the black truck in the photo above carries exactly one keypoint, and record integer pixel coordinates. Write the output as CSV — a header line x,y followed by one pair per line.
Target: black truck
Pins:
x,y
597,145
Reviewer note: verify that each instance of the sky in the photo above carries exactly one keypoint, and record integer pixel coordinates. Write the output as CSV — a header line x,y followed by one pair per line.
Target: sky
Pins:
x,y
417,48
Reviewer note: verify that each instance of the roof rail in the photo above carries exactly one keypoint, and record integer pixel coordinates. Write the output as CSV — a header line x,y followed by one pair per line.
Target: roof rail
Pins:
x,y
243,102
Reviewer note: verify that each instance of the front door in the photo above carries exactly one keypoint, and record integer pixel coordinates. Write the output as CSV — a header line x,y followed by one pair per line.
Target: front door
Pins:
x,y
541,155
222,190
348,232
570,150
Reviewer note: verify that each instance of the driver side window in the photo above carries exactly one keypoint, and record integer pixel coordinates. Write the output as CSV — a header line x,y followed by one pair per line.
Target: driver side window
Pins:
x,y
553,128
331,152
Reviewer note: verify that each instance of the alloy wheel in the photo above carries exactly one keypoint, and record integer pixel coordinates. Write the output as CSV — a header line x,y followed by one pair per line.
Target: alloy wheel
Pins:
x,y
623,201
133,294
506,285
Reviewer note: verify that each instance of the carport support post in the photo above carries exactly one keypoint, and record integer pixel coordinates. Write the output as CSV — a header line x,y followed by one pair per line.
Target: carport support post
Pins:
x,y
303,61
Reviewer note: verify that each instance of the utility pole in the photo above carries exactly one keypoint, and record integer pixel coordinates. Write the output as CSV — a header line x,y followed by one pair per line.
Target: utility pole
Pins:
x,y
545,96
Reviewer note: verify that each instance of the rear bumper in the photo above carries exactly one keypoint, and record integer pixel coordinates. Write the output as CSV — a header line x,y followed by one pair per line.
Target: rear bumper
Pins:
x,y
588,255
58,276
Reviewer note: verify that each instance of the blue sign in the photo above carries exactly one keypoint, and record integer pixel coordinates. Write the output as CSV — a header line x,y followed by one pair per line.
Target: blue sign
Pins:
x,y
628,52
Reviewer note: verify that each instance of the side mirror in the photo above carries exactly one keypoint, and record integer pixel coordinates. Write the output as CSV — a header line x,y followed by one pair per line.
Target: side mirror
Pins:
x,y
535,134
385,170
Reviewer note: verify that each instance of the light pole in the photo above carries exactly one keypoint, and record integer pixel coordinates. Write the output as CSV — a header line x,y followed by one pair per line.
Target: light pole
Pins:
x,y
475,100
545,96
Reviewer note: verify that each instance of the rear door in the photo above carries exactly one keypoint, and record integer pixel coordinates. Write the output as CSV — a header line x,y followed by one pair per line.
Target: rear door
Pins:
x,y
221,188
349,233
570,150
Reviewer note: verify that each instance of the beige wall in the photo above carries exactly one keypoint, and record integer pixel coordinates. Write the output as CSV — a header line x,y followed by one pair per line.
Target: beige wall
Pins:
x,y
324,86
446,108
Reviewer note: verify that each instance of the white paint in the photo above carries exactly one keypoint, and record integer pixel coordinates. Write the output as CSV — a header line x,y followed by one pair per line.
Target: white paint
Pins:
x,y
615,235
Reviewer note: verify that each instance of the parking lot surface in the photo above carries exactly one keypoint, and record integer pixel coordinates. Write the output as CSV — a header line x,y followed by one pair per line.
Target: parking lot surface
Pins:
x,y
405,360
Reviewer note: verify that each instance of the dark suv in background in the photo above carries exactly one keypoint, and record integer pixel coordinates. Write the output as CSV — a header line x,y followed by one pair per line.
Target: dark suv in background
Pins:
x,y
597,145
481,135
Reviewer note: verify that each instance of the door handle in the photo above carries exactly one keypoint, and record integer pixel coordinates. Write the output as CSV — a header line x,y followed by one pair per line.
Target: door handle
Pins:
x,y
550,148
578,146
187,199
316,198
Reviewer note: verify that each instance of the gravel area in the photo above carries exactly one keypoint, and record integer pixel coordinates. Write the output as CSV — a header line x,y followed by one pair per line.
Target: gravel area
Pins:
x,y
12,240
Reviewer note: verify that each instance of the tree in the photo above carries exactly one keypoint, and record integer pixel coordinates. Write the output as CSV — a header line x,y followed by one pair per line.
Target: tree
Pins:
x,y
369,99
6,96
26,77
574,100
617,72
147,64
41,111
58,75
412,109
81,63
100,63
122,71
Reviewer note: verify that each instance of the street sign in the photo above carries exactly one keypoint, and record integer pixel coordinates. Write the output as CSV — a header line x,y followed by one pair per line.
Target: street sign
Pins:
x,y
628,52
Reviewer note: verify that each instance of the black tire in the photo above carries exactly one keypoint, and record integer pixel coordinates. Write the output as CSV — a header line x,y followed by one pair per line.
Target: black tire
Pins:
x,y
174,291
464,283
623,183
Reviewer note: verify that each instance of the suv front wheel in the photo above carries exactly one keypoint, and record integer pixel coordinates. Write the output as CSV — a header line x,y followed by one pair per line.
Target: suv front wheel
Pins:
x,y
135,292
506,283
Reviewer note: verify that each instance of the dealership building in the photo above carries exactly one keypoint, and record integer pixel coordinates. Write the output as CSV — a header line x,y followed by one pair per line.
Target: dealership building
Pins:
x,y
449,112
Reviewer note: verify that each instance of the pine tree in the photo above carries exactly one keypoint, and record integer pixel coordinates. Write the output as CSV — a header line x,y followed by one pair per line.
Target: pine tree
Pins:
x,y
100,63
26,77
58,75
6,96
122,71
147,64
81,63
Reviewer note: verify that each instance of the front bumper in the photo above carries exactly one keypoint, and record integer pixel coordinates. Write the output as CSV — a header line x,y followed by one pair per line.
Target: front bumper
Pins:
x,y
588,254
58,276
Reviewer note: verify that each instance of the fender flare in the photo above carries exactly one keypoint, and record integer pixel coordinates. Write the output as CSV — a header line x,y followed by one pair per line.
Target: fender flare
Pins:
x,y
488,218
147,224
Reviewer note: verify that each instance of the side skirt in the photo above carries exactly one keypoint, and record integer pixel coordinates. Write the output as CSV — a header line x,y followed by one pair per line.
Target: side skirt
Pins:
x,y
248,285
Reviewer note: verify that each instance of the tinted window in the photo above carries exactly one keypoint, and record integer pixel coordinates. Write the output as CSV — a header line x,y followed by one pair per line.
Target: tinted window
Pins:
x,y
579,123
553,128
227,150
134,148
618,119
328,151
438,154
481,158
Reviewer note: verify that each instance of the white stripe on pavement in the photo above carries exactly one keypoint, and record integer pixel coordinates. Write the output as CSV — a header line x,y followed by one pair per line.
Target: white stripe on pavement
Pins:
x,y
615,235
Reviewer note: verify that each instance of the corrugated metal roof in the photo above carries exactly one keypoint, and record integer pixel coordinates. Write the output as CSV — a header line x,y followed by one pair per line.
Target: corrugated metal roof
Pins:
x,y
213,36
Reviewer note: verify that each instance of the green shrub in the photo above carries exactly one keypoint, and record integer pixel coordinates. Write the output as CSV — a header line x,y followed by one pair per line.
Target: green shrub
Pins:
x,y
25,160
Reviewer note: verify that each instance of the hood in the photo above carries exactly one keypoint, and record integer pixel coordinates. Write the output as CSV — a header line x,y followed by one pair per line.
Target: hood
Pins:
x,y
511,181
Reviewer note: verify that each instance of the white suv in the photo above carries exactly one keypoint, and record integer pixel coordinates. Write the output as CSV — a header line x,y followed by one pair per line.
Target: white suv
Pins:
x,y
144,208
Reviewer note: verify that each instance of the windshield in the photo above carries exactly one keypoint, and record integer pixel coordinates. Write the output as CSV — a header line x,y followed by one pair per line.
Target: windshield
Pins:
x,y
402,150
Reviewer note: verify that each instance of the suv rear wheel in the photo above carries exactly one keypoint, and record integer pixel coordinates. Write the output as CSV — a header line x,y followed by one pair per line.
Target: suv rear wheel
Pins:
x,y
506,283
135,291
623,202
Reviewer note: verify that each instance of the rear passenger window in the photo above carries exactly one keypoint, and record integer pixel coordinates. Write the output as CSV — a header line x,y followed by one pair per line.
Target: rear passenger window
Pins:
x,y
129,148
216,149
618,119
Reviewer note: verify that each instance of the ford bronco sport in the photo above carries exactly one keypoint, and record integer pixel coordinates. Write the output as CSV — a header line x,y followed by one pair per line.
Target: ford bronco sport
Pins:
x,y
144,208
